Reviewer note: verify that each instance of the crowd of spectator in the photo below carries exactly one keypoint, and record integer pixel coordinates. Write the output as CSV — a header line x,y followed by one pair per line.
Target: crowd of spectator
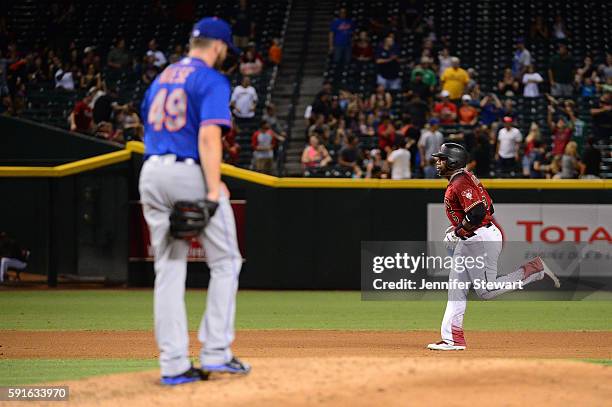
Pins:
x,y
357,134
66,68
352,134
96,76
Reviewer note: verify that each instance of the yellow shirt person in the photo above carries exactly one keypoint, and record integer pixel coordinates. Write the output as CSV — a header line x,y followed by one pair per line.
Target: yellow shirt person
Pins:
x,y
454,79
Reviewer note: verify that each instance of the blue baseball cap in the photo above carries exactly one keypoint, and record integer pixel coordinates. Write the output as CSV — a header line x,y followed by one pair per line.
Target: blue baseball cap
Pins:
x,y
215,28
434,121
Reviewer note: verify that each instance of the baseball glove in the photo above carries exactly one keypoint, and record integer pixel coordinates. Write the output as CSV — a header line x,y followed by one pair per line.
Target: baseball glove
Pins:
x,y
189,218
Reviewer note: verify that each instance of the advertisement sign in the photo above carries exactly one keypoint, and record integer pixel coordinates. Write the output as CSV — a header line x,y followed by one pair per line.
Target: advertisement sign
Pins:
x,y
573,238
140,245
549,223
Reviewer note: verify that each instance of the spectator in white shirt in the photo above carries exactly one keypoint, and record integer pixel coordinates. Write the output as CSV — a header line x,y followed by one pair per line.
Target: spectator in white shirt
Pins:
x,y
400,161
521,59
429,142
444,60
508,142
244,100
159,59
64,78
531,80
559,30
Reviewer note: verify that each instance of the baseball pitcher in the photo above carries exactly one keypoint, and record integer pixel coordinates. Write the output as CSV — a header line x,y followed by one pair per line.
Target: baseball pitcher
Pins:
x,y
473,233
183,197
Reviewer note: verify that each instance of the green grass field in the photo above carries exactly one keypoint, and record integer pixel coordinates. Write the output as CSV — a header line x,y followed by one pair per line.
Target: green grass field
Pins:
x,y
132,310
15,372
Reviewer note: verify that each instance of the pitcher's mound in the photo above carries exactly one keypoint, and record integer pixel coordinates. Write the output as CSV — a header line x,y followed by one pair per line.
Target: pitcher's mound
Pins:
x,y
365,381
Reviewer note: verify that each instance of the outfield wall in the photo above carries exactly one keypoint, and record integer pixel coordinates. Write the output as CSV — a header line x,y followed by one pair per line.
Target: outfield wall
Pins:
x,y
75,225
71,216
310,238
298,233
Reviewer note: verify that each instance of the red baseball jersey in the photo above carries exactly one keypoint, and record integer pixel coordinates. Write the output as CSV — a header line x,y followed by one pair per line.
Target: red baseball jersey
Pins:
x,y
464,191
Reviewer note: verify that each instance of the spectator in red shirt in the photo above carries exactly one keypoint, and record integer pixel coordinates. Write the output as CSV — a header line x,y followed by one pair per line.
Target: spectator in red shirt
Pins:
x,y
81,118
386,135
362,49
251,62
468,115
445,110
231,148
561,132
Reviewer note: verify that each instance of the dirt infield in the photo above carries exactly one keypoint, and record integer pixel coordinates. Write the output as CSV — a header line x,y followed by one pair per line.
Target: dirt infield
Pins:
x,y
342,368
366,381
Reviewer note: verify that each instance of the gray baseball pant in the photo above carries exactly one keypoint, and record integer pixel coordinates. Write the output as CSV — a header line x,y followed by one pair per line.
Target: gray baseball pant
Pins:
x,y
163,182
7,263
487,242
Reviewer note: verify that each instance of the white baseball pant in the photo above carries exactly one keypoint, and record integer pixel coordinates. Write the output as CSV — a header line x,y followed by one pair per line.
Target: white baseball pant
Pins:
x,y
487,242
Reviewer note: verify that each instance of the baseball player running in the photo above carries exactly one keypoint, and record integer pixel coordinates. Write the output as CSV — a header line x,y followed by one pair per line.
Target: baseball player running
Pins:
x,y
183,197
473,233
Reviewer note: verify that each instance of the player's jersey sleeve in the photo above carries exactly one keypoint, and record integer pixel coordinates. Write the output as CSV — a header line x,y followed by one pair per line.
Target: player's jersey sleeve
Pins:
x,y
215,105
467,194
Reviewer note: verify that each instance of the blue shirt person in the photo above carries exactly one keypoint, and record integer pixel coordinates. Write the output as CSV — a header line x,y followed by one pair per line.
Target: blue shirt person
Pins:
x,y
340,38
